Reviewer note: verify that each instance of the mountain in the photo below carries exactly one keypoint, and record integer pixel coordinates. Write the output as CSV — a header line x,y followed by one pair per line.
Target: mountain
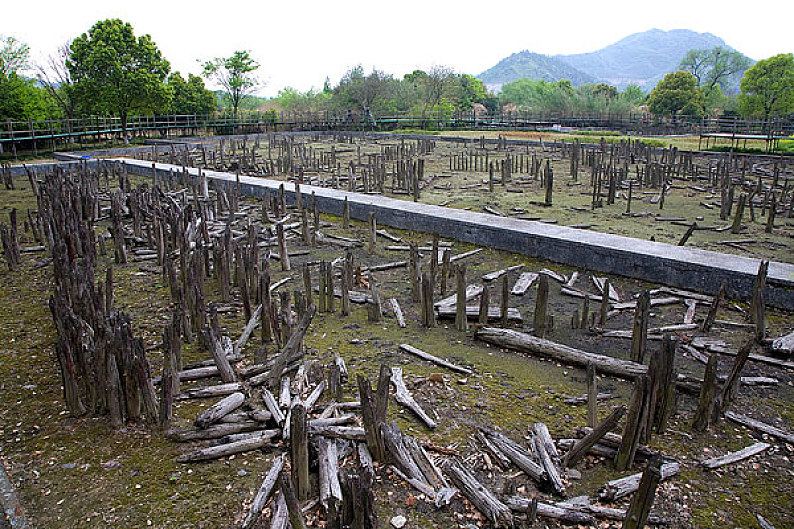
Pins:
x,y
526,64
641,58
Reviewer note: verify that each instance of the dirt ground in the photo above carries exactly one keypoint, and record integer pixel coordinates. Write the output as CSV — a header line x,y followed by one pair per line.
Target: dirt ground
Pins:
x,y
128,477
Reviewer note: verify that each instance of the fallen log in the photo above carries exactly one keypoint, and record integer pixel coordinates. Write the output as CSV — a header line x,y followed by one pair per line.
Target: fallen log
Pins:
x,y
216,452
218,410
473,312
622,487
403,396
497,512
563,514
436,360
517,454
760,426
523,283
531,344
215,431
264,493
218,390
734,457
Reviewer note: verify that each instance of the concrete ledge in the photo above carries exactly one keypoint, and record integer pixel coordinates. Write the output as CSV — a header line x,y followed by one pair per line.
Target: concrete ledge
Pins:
x,y
13,516
689,268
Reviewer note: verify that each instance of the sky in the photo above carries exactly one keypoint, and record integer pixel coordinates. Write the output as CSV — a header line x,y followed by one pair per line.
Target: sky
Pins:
x,y
299,43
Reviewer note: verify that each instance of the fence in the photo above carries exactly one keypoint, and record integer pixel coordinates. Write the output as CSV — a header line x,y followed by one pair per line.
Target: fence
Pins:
x,y
52,134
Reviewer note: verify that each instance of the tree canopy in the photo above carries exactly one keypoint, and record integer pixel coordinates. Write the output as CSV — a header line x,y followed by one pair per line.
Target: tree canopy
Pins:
x,y
235,74
715,68
191,96
676,93
768,87
116,73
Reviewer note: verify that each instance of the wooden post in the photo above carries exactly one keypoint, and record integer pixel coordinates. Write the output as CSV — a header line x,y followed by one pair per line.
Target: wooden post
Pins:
x,y
428,310
541,303
461,322
737,219
604,312
758,305
505,300
707,405
346,214
580,448
296,519
373,228
484,304
299,450
641,503
715,305
639,332
282,248
592,395
624,458
446,262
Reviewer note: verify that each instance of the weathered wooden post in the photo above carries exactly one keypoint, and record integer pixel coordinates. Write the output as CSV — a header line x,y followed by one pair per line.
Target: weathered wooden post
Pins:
x,y
641,503
541,303
461,322
299,450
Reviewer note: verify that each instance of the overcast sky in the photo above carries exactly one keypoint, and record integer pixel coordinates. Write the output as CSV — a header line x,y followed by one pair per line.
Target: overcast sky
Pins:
x,y
299,43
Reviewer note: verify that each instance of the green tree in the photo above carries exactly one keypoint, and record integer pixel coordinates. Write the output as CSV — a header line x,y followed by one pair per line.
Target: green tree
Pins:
x,y
21,98
715,67
768,87
235,74
366,92
191,96
676,93
116,73
14,56
633,94
468,90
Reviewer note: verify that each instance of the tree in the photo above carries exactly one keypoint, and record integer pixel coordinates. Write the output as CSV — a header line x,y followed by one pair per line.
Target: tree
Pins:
x,y
715,67
14,56
634,94
768,87
364,92
435,85
116,73
55,78
468,90
677,92
235,75
191,96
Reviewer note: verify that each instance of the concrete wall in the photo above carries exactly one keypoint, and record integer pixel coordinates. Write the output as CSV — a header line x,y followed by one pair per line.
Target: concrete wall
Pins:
x,y
689,268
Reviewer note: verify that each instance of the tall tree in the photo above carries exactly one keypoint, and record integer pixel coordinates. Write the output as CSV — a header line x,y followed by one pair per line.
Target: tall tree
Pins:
x,y
715,68
235,74
14,56
191,96
768,87
363,91
677,92
435,85
116,73
54,77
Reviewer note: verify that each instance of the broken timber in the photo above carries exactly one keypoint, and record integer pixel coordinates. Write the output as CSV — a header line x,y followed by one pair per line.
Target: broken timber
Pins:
x,y
527,343
436,360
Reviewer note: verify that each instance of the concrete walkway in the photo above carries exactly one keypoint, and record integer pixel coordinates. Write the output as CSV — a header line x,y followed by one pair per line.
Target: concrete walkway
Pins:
x,y
676,266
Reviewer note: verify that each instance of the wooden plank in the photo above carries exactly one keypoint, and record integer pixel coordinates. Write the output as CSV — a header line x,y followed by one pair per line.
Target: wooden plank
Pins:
x,y
734,457
436,360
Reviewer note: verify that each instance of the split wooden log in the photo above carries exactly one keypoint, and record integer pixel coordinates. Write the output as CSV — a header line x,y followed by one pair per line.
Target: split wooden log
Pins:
x,y
264,492
403,396
761,427
731,385
523,283
351,433
583,445
548,465
328,462
219,354
216,452
472,291
218,390
499,273
216,431
582,504
562,514
272,406
299,450
483,499
502,459
430,471
622,487
434,359
474,313
784,345
374,408
517,454
735,457
220,409
395,446
527,343
296,519
249,328
398,313
292,348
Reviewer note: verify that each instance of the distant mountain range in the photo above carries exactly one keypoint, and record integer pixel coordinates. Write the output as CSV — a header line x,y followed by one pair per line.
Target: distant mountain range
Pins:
x,y
641,58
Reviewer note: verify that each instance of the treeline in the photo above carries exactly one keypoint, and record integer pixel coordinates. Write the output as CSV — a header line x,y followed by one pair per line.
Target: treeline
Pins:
x,y
108,71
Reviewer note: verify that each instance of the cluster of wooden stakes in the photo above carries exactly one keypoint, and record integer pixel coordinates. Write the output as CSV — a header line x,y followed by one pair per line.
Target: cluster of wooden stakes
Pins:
x,y
194,232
